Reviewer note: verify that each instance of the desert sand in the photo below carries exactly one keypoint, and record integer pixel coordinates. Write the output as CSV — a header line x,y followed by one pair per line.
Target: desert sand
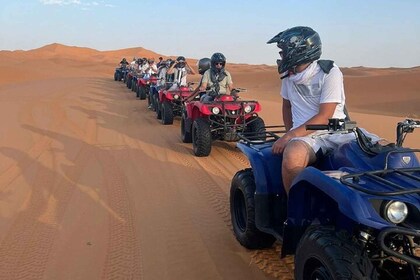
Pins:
x,y
92,186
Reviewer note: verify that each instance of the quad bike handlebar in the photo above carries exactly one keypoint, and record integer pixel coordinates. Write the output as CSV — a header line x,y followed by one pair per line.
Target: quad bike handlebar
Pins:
x,y
237,90
407,126
333,125
341,125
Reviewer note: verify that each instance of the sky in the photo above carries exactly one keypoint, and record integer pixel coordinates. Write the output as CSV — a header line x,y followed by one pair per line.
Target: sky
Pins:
x,y
370,33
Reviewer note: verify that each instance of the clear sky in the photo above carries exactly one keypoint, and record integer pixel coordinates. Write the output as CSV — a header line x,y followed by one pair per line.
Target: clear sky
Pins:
x,y
373,33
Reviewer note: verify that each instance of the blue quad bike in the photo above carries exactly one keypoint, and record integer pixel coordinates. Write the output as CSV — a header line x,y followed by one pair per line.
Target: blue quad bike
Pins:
x,y
120,73
355,214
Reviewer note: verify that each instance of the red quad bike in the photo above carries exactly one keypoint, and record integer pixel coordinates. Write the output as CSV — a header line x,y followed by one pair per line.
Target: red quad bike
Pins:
x,y
221,119
143,87
171,102
129,79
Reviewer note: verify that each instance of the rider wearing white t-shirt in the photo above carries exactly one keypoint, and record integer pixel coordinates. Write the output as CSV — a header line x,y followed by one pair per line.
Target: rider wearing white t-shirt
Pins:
x,y
313,93
311,87
180,69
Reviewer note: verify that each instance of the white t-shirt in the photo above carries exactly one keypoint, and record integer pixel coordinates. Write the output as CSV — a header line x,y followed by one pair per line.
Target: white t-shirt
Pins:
x,y
144,67
152,69
308,89
180,76
161,76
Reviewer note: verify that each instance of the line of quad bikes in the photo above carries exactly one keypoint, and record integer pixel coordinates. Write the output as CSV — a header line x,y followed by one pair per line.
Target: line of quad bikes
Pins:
x,y
355,214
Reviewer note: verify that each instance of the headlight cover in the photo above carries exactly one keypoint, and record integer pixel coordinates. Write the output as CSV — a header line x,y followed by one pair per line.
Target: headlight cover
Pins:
x,y
395,211
215,110
176,96
247,109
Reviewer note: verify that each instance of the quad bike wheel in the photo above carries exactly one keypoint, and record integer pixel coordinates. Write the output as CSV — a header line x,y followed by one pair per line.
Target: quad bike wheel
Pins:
x,y
133,86
324,253
185,135
201,136
242,210
257,126
116,76
138,92
142,92
167,113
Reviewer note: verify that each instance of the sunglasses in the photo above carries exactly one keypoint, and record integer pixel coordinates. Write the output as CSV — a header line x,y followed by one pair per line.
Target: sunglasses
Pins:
x,y
219,63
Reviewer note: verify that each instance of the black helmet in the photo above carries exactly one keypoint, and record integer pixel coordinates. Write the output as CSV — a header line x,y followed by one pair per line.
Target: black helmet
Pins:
x,y
168,62
180,62
203,65
299,45
217,58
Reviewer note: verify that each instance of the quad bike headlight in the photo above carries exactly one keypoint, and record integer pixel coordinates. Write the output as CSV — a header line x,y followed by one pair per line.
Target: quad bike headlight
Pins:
x,y
215,110
395,211
176,96
247,109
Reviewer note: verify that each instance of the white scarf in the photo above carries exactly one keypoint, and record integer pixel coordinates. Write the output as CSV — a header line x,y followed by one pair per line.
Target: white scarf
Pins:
x,y
306,75
181,73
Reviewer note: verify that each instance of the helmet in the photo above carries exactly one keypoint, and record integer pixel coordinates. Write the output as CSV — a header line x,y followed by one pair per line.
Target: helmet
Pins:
x,y
299,45
169,62
217,58
203,65
124,59
180,62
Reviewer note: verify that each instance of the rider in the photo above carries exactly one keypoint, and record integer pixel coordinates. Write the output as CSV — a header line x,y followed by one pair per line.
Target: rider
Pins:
x,y
151,68
160,62
133,64
203,65
180,69
123,62
313,93
161,78
216,78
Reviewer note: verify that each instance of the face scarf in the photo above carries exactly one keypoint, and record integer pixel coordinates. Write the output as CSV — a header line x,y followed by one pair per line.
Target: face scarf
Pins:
x,y
306,75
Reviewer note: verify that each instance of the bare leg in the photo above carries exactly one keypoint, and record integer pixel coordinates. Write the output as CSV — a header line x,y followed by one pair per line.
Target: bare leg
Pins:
x,y
296,156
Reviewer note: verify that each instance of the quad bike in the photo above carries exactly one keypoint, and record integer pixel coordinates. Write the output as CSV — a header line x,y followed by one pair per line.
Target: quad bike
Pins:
x,y
143,87
120,73
129,78
355,214
170,102
220,119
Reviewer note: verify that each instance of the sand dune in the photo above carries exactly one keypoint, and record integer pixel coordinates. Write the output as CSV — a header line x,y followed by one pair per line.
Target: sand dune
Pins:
x,y
92,186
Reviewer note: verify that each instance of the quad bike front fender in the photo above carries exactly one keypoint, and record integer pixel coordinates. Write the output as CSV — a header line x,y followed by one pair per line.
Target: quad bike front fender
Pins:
x,y
266,168
312,190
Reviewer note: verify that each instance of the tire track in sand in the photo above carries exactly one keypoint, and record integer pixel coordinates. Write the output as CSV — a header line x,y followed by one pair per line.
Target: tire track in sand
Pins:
x,y
25,250
267,260
123,259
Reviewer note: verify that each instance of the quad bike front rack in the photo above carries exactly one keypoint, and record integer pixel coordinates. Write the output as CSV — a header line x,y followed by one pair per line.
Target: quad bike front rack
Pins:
x,y
267,135
388,178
